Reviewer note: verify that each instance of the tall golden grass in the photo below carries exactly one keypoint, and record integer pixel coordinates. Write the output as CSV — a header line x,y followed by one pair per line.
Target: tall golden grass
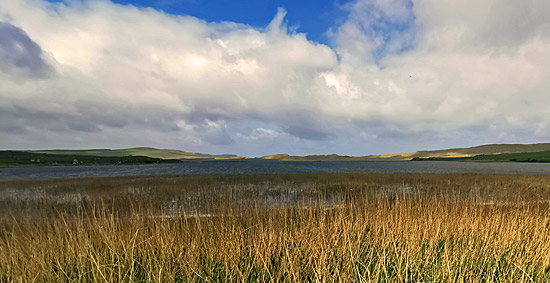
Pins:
x,y
289,228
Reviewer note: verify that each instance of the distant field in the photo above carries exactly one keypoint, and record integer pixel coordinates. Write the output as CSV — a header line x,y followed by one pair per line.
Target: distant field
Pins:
x,y
277,228
541,156
22,158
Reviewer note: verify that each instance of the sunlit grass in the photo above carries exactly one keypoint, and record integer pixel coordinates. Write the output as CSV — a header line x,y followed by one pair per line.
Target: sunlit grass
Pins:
x,y
315,227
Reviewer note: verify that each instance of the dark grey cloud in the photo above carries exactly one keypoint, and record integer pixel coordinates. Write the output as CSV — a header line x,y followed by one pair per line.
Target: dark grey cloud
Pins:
x,y
204,112
19,53
86,116
33,116
10,127
296,121
218,137
304,124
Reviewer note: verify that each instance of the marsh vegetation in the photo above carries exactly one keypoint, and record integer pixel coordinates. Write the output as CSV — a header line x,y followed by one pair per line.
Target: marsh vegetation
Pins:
x,y
285,227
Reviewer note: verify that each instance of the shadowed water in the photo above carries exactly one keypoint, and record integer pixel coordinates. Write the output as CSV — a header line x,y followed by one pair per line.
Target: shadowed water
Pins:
x,y
255,166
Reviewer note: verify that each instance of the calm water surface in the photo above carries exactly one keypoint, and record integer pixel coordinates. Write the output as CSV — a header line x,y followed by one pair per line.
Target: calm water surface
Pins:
x,y
256,166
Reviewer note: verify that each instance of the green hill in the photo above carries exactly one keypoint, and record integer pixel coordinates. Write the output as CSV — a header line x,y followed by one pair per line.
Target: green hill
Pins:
x,y
489,149
453,153
24,158
139,151
540,156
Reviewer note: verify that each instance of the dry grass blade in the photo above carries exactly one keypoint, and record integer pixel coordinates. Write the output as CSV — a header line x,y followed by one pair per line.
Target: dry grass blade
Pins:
x,y
277,228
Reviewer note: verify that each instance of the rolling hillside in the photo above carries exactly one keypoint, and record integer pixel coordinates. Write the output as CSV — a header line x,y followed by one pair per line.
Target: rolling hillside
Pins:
x,y
139,151
540,156
482,149
424,154
25,158
453,153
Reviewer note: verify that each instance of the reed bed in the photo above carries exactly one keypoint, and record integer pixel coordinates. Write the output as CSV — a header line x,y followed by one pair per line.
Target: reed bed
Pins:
x,y
277,228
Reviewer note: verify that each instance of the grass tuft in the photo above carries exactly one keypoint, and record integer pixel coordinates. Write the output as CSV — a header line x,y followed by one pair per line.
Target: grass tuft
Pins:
x,y
279,228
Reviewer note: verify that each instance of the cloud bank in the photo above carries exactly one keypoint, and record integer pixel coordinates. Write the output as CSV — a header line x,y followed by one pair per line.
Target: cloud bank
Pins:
x,y
399,75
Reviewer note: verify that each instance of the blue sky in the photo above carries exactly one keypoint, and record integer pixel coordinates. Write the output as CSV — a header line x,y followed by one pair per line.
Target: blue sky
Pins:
x,y
312,17
352,77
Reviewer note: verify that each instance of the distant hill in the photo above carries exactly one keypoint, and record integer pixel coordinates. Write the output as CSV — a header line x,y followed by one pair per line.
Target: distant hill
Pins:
x,y
490,149
539,156
477,150
25,158
424,154
330,157
139,151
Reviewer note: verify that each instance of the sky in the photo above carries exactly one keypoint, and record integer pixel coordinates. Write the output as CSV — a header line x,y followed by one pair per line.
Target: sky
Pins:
x,y
257,77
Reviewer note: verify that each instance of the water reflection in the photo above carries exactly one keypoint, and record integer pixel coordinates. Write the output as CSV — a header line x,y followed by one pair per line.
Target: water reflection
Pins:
x,y
251,167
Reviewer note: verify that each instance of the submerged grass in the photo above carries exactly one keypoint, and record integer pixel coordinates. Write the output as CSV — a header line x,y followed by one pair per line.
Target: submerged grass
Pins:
x,y
288,228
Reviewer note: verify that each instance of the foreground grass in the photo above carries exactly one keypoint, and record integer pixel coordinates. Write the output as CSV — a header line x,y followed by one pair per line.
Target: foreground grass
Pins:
x,y
318,227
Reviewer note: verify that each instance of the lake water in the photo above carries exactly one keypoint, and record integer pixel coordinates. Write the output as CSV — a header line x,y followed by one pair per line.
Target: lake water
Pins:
x,y
262,166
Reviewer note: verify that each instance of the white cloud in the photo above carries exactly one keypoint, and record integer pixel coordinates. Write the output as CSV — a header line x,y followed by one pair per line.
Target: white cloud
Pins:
x,y
462,72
